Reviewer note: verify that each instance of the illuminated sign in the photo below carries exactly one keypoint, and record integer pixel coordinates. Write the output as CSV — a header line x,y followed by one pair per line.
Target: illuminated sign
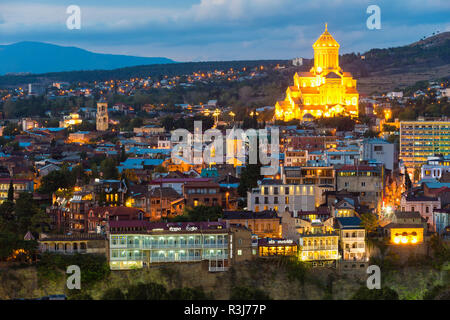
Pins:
x,y
280,241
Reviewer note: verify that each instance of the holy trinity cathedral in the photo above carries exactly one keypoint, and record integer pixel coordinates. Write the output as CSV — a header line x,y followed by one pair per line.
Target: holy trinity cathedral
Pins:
x,y
324,91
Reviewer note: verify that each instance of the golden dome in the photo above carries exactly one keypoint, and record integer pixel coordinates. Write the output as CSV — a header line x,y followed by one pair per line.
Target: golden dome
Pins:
x,y
325,40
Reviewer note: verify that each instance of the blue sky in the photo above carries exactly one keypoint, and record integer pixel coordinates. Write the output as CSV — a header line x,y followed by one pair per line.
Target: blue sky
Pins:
x,y
198,30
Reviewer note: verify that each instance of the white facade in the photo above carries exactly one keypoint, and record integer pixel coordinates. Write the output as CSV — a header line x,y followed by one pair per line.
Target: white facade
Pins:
x,y
294,158
334,157
379,150
434,168
281,197
353,244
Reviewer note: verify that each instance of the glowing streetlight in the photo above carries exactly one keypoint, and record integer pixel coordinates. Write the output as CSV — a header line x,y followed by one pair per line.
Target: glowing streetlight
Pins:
x,y
232,114
216,115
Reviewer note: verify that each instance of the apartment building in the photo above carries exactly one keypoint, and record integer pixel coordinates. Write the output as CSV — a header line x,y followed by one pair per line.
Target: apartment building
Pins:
x,y
274,195
318,244
422,139
365,179
294,158
352,239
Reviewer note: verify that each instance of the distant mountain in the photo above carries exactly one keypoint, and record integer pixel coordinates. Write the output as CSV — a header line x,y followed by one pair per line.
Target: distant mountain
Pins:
x,y
154,70
38,57
427,53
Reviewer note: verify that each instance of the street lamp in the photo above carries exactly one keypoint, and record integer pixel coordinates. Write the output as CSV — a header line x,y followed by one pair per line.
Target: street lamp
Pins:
x,y
232,114
216,115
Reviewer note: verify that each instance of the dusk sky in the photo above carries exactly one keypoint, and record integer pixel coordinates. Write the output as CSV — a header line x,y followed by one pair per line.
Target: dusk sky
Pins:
x,y
198,30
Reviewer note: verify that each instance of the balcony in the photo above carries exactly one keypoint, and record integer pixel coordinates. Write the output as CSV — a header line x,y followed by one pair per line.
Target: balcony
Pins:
x,y
355,250
316,248
223,245
218,269
172,259
214,257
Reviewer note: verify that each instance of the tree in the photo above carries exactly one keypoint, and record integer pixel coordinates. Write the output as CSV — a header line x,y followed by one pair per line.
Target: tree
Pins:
x,y
370,134
168,123
40,222
25,210
200,213
109,169
416,175
249,178
146,291
384,293
248,293
160,169
11,129
75,295
113,294
187,294
7,210
370,222
11,191
58,179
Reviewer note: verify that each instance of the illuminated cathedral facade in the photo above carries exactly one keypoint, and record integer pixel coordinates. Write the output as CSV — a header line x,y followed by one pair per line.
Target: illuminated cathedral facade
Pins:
x,y
324,91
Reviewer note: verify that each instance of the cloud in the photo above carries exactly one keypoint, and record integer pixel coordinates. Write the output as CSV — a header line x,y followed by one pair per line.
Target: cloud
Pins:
x,y
218,29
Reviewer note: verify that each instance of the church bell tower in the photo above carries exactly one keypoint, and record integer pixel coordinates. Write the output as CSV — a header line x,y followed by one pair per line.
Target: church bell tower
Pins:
x,y
102,115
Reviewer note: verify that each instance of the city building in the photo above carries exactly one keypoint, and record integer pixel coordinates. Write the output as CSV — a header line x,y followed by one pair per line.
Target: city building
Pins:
x,y
323,91
352,237
441,219
295,158
29,124
314,173
341,156
365,179
274,195
406,228
165,202
422,139
70,244
422,204
318,244
269,247
81,137
381,151
19,185
435,167
72,119
264,224
207,193
138,244
149,130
